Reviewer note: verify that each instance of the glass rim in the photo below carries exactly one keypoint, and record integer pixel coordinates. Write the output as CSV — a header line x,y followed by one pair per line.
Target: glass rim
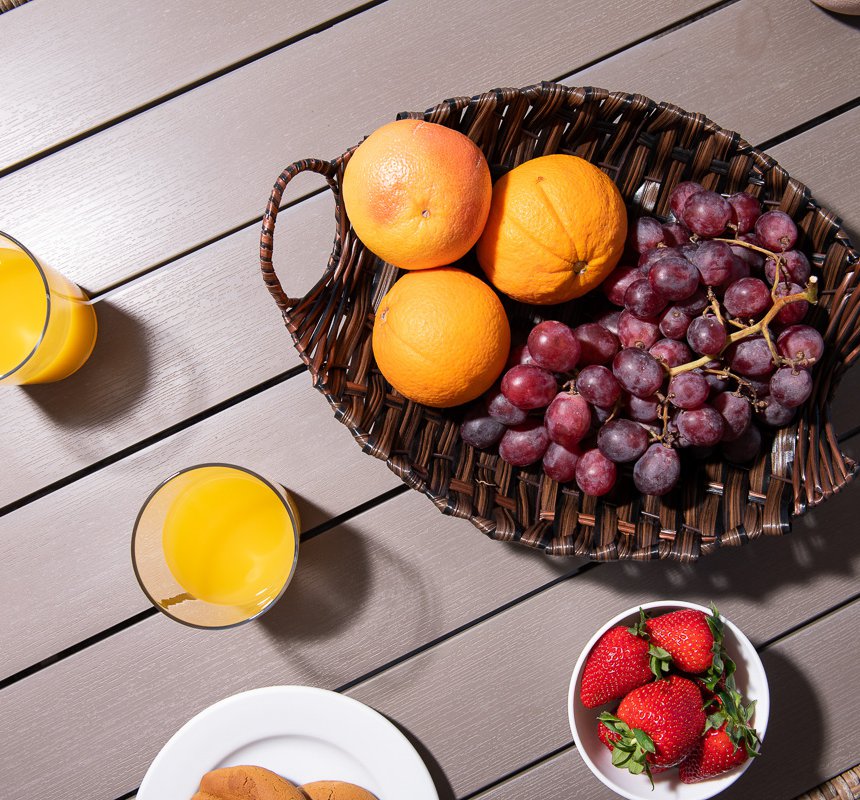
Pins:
x,y
44,278
290,514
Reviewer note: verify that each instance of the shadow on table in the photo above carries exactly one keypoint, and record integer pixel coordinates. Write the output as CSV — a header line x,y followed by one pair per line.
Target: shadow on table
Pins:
x,y
824,541
794,743
110,383
440,780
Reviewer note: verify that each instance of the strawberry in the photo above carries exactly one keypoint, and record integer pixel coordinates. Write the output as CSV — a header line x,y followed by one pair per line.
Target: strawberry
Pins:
x,y
714,754
658,724
687,636
609,739
619,663
729,739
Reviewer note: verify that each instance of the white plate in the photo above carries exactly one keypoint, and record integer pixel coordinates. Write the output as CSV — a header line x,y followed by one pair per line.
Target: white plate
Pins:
x,y
302,733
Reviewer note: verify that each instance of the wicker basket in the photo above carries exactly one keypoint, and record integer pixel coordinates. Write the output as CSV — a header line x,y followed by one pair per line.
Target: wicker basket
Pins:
x,y
647,148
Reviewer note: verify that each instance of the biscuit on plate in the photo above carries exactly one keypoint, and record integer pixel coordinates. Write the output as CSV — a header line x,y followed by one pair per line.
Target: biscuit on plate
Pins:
x,y
335,790
246,783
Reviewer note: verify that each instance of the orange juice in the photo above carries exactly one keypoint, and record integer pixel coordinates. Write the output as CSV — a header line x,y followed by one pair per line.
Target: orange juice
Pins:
x,y
47,325
228,538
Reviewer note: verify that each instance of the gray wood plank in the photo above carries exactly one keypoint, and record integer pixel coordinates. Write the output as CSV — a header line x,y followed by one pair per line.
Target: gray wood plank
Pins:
x,y
740,53
170,345
484,702
371,590
809,737
53,88
170,178
76,540
502,685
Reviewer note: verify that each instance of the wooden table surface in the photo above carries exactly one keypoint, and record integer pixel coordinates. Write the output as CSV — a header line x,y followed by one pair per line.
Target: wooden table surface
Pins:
x,y
138,144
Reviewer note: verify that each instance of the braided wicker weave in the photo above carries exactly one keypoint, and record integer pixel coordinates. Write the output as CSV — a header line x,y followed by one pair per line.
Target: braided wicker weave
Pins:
x,y
647,148
843,787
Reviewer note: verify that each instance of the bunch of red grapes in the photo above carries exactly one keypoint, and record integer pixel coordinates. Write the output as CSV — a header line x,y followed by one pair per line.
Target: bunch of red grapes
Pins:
x,y
705,341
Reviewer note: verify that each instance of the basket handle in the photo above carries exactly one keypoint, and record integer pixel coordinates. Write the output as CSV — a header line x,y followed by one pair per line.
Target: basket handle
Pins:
x,y
267,236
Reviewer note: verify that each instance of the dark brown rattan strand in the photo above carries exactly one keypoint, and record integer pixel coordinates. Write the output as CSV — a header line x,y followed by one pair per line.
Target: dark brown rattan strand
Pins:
x,y
647,148
8,5
843,787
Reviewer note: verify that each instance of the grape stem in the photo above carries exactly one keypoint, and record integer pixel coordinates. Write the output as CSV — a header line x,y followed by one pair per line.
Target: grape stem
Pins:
x,y
778,260
810,294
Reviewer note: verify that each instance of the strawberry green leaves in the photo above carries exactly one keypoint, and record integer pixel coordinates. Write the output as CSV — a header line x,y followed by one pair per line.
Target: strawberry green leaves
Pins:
x,y
631,749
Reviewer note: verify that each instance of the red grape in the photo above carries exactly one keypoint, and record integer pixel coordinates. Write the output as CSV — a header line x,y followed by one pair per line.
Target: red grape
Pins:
x,y
680,194
740,269
790,387
567,419
736,413
706,213
671,352
694,305
598,386
524,444
642,299
595,473
761,388
775,414
713,260
553,346
658,470
674,323
645,234
559,463
649,259
750,357
527,386
621,440
673,278
776,231
717,383
790,313
706,335
635,332
801,344
615,284
638,372
794,266
674,233
609,320
480,430
701,426
745,448
503,410
747,298
597,345
519,355
746,209
642,409
688,390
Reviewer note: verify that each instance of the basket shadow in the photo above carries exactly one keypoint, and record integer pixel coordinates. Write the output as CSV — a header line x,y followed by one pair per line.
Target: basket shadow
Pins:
x,y
110,383
794,743
823,542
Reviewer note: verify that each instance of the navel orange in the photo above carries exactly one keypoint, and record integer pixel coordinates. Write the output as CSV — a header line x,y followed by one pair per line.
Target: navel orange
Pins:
x,y
417,193
556,229
441,336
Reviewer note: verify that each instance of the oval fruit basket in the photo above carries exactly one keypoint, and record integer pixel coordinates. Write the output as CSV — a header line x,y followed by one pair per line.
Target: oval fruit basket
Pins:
x,y
646,148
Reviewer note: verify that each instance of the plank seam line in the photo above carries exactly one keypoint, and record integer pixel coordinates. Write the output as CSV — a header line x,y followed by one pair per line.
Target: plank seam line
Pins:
x,y
188,87
570,744
658,34
803,127
118,627
178,427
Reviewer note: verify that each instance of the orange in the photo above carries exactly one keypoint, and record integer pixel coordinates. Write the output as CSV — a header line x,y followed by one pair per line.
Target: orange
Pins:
x,y
441,337
417,193
556,229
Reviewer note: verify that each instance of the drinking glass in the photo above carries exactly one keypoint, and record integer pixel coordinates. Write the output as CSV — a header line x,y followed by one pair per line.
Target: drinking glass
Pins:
x,y
47,324
216,545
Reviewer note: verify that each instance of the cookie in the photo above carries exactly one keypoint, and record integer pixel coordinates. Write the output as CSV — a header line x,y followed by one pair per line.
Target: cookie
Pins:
x,y
246,783
335,790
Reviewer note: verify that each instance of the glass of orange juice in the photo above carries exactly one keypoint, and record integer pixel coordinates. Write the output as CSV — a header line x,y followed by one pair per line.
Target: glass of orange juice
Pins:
x,y
47,324
216,545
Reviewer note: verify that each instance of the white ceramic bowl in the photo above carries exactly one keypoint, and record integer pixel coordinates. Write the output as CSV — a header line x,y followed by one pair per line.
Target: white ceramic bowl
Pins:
x,y
751,681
